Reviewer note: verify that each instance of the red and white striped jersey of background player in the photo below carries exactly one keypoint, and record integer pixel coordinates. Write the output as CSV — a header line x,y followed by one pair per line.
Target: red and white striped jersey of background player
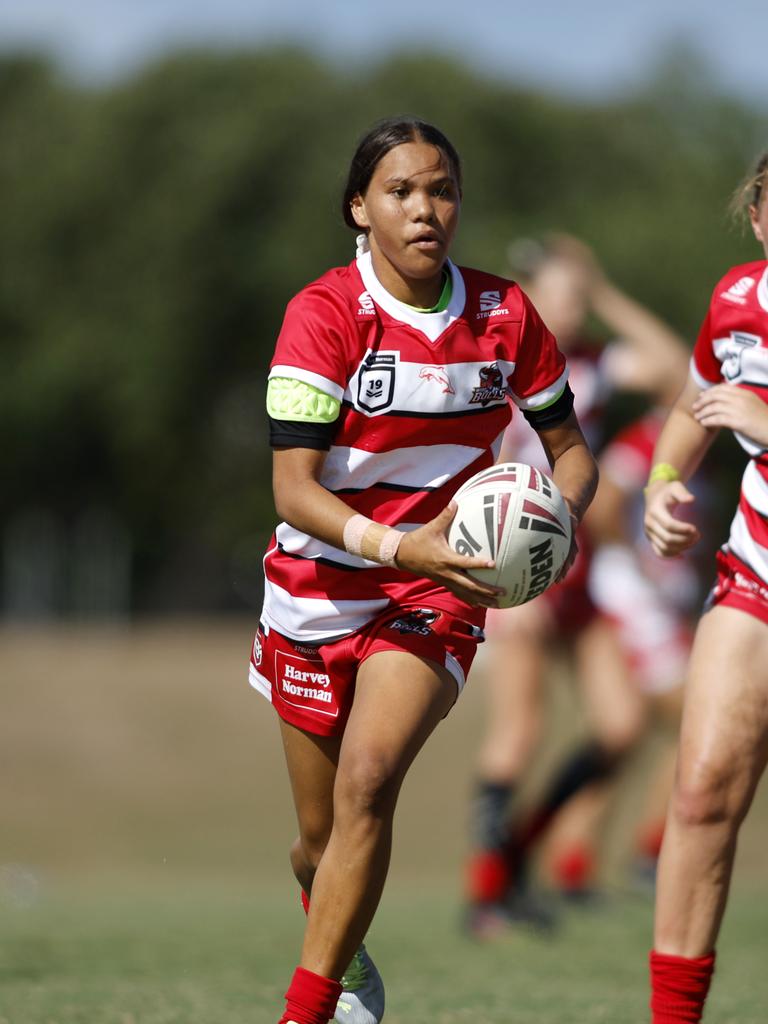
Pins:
x,y
424,402
649,599
732,346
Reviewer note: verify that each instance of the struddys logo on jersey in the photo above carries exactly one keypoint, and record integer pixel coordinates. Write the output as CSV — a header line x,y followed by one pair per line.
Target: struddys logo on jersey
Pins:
x,y
365,305
376,381
491,387
739,290
418,622
490,305
305,684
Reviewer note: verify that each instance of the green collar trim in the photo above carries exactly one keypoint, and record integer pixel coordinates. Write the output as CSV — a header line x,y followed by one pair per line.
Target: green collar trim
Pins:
x,y
442,302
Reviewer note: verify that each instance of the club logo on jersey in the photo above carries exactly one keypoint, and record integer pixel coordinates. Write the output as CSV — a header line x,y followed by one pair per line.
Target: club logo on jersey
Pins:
x,y
376,381
490,305
491,387
366,307
439,375
739,290
258,650
740,343
540,519
418,622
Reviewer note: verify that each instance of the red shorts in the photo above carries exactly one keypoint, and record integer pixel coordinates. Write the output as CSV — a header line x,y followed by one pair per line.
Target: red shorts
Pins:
x,y
737,586
312,686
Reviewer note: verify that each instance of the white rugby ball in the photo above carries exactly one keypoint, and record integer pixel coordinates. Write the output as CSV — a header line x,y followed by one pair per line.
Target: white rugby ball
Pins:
x,y
514,514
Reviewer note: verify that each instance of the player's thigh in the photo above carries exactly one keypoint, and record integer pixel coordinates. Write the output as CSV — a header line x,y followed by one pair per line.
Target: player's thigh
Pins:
x,y
519,642
399,699
312,763
615,706
725,717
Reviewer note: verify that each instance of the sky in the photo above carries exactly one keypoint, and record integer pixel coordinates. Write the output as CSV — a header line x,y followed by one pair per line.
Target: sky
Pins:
x,y
588,47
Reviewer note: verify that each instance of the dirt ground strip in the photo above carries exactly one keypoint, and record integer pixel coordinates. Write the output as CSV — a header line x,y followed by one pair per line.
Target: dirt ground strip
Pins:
x,y
143,748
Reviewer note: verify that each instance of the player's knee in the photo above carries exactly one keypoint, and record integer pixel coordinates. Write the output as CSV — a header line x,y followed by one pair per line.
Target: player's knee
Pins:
x,y
311,844
366,786
707,794
620,731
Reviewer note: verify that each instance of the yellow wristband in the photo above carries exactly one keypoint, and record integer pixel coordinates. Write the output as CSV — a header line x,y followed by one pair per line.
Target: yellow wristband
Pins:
x,y
662,471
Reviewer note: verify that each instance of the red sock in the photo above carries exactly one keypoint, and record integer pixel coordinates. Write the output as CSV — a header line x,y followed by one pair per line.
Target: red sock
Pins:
x,y
487,877
679,986
310,999
574,869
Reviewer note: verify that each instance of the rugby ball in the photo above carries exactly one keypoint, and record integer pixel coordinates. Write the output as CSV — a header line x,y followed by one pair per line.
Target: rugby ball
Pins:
x,y
514,514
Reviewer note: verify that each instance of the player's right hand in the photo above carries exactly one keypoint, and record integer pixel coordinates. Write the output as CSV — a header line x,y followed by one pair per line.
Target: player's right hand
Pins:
x,y
425,551
669,535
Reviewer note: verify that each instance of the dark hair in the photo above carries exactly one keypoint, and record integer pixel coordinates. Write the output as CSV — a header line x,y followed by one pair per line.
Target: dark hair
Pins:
x,y
752,190
376,143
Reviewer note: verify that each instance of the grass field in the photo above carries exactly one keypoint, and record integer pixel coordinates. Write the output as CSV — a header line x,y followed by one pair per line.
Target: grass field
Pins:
x,y
144,818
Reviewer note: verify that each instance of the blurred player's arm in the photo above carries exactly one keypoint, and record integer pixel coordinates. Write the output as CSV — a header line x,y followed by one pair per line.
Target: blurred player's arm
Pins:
x,y
648,356
607,520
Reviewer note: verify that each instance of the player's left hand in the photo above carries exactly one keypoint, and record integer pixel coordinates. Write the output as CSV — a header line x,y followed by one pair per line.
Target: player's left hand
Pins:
x,y
738,408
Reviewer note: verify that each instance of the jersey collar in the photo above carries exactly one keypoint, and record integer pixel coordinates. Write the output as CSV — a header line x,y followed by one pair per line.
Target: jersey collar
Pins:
x,y
433,325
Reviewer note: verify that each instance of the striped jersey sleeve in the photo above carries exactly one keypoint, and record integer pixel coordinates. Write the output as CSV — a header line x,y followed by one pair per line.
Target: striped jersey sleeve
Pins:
x,y
540,373
315,342
705,366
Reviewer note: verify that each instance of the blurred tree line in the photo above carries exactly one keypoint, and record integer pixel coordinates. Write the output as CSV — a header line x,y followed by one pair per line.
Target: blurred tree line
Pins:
x,y
153,230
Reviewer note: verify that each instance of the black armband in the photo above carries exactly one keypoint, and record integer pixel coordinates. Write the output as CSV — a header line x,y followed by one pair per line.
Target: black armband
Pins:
x,y
554,414
298,434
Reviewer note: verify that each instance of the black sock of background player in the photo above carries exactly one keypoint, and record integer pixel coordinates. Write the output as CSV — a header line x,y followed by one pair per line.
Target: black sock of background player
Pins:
x,y
589,763
488,810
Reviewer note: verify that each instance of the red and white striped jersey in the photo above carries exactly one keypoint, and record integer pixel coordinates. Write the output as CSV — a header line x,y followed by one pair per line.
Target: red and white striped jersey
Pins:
x,y
732,347
425,400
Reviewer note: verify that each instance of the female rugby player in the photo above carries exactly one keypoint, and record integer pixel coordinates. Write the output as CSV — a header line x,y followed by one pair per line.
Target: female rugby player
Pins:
x,y
390,386
724,733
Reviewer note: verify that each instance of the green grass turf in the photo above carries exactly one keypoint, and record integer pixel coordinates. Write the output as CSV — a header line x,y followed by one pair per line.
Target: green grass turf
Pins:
x,y
207,952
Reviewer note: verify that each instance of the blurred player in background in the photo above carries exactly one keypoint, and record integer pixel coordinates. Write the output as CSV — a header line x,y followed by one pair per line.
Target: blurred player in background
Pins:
x,y
370,625
565,281
648,605
724,735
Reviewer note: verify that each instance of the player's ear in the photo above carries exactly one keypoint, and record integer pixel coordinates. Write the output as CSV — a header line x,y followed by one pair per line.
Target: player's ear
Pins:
x,y
357,206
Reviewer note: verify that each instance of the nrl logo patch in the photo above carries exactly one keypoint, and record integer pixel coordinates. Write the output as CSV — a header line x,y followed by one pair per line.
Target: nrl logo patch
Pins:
x,y
376,381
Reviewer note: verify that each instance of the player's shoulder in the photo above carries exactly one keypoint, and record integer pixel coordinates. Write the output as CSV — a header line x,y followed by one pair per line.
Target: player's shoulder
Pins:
x,y
738,285
339,289
490,296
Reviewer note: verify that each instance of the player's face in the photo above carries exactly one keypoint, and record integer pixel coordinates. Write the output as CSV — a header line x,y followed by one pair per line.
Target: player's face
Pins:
x,y
411,211
759,217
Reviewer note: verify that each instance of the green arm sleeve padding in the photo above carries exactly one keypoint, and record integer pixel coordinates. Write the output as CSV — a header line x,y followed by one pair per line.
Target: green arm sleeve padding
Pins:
x,y
302,403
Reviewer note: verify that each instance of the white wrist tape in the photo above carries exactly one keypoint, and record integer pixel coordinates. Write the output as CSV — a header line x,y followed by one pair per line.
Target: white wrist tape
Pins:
x,y
367,539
